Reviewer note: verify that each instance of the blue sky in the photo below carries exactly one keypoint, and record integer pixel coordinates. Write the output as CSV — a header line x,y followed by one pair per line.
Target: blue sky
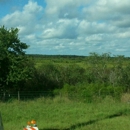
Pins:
x,y
70,27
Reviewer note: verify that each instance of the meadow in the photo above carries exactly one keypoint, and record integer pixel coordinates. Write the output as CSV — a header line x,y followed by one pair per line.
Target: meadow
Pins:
x,y
86,93
61,113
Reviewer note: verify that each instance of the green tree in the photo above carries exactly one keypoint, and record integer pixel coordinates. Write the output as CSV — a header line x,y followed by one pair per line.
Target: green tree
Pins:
x,y
14,65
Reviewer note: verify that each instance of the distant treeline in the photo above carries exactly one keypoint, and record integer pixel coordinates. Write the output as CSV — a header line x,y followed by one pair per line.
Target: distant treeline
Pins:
x,y
73,56
55,56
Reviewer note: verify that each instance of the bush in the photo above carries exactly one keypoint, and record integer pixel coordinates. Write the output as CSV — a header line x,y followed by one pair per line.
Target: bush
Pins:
x,y
89,92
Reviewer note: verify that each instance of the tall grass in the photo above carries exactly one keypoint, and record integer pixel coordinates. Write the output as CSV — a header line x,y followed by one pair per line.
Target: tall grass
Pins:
x,y
64,114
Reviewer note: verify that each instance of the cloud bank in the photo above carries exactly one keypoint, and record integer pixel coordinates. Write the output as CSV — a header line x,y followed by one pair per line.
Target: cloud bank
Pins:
x,y
73,27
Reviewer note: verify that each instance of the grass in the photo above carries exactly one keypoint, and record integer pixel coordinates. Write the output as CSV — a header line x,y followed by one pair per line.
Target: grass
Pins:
x,y
63,114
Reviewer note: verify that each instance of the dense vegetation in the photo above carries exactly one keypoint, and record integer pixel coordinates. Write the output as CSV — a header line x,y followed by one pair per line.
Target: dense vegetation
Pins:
x,y
15,67
85,77
82,76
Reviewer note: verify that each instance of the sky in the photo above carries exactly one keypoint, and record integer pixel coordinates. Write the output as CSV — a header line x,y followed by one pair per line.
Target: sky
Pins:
x,y
70,27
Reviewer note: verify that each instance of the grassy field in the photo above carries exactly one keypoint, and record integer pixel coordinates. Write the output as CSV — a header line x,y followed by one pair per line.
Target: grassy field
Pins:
x,y
63,114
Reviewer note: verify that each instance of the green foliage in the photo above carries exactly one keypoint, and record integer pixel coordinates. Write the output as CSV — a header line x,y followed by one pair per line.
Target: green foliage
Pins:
x,y
14,65
50,76
86,77
87,92
72,74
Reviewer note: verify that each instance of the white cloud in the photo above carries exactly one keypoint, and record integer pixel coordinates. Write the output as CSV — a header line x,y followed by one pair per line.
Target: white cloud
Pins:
x,y
73,26
60,8
25,18
62,29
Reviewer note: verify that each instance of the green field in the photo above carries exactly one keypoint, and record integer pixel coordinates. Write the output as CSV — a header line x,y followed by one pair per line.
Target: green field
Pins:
x,y
82,61
60,113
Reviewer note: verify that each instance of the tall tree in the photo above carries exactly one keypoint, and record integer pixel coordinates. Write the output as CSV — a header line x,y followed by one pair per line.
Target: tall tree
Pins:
x,y
14,65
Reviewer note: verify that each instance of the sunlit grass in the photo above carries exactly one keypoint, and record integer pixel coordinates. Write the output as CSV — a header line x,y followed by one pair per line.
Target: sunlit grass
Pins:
x,y
62,113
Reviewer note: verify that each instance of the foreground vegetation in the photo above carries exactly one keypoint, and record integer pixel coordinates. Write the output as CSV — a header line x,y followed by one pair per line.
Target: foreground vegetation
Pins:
x,y
60,113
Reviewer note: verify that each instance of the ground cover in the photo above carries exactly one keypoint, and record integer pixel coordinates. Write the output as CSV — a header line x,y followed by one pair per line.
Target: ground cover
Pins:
x,y
60,113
